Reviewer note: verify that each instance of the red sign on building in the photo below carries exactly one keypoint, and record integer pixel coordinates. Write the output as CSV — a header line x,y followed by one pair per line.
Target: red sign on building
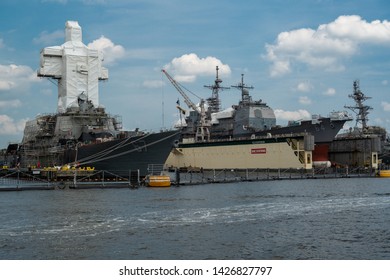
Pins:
x,y
259,151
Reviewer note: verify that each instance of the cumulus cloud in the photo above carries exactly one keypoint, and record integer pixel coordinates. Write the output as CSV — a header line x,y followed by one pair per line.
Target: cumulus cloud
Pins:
x,y
292,115
47,38
326,46
12,76
9,126
330,92
111,52
385,106
304,100
10,103
189,66
304,87
56,1
153,83
358,30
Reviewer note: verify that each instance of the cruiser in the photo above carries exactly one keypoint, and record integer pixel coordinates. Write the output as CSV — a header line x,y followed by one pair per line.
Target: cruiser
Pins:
x,y
212,139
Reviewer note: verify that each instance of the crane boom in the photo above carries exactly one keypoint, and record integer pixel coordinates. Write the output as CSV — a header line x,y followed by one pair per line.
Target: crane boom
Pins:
x,y
202,131
187,100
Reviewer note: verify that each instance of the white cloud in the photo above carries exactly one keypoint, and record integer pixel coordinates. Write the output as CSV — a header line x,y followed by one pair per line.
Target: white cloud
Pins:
x,y
9,126
325,47
189,66
280,67
12,76
330,92
49,38
385,106
292,115
304,87
153,83
10,104
6,85
304,100
110,51
358,30
56,1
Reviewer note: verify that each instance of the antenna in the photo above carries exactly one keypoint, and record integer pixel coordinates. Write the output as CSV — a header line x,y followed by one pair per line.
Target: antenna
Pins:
x,y
246,98
214,101
359,109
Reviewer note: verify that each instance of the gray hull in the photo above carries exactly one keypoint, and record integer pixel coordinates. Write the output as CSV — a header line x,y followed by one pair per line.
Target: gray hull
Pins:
x,y
125,155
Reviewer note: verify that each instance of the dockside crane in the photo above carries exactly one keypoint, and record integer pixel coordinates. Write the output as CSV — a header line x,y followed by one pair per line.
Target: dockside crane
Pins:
x,y
202,131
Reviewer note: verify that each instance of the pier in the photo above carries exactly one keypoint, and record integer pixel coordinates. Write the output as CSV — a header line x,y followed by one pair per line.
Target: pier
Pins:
x,y
18,180
245,175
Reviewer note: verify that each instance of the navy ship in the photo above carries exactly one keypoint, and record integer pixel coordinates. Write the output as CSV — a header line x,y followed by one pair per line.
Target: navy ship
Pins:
x,y
250,117
363,145
81,133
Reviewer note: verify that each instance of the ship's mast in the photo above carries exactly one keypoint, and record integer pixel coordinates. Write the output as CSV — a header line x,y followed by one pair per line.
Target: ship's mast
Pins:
x,y
214,102
245,97
359,109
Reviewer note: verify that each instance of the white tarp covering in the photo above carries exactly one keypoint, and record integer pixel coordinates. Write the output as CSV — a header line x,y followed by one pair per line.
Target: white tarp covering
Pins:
x,y
77,68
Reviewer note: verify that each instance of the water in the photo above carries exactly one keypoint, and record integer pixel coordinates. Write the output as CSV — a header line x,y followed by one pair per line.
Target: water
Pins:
x,y
300,219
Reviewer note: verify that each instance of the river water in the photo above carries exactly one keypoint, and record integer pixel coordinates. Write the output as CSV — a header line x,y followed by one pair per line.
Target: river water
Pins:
x,y
300,219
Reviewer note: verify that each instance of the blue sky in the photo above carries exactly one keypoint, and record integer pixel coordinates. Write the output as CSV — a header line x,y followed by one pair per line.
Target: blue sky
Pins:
x,y
301,56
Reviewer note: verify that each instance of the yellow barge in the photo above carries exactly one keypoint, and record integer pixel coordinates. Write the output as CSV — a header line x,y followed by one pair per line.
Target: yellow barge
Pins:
x,y
384,173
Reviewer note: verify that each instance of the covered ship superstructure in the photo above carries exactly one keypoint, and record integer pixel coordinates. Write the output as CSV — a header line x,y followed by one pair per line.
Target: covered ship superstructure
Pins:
x,y
76,67
79,118
81,133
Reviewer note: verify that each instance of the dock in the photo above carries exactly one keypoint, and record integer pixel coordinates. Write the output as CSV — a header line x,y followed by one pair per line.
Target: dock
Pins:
x,y
249,175
22,180
18,179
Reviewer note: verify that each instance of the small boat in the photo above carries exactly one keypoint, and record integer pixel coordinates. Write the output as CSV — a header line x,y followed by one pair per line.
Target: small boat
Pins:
x,y
384,173
158,181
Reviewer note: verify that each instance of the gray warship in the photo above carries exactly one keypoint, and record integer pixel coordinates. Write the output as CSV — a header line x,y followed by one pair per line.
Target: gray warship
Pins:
x,y
251,117
363,144
81,133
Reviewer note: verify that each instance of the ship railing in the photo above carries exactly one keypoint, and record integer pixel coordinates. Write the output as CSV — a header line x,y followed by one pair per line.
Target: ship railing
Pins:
x,y
156,169
272,136
37,179
340,116
20,179
46,115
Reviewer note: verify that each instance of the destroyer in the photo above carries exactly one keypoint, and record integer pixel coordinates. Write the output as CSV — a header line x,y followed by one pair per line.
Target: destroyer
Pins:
x,y
363,145
81,132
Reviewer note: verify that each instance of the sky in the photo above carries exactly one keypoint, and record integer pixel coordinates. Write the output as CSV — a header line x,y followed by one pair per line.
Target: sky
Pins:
x,y
301,56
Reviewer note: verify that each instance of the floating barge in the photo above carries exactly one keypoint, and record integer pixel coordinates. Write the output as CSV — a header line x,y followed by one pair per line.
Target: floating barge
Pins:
x,y
384,173
293,151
